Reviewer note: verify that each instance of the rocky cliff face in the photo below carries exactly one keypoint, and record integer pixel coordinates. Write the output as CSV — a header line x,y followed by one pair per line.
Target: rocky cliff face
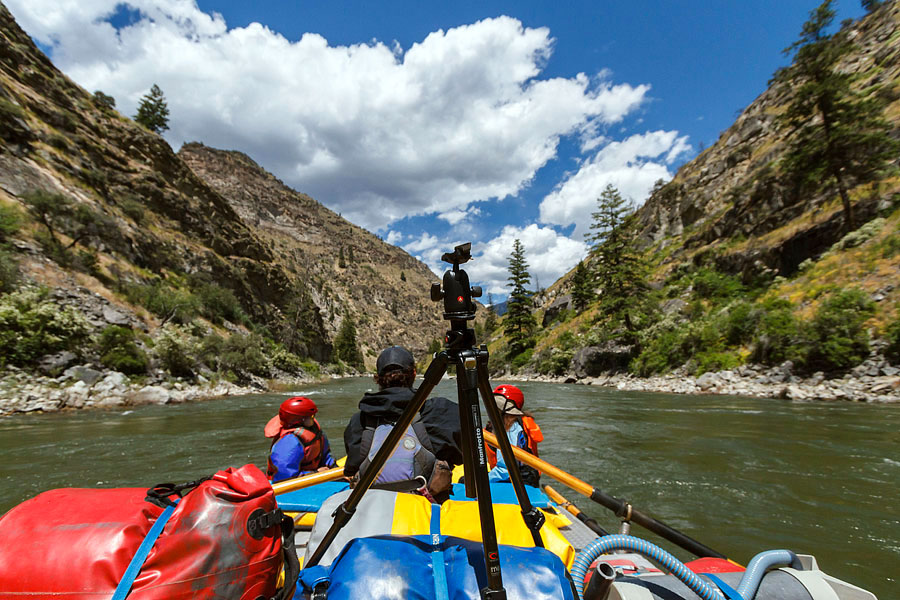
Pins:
x,y
383,288
730,204
233,224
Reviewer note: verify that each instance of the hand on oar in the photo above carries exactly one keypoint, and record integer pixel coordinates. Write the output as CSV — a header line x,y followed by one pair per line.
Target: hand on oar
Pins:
x,y
619,507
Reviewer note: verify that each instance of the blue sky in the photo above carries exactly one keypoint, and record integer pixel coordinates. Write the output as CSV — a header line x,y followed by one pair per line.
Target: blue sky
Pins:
x,y
431,123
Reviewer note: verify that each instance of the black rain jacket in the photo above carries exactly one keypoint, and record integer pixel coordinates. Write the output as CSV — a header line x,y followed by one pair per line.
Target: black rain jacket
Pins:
x,y
439,415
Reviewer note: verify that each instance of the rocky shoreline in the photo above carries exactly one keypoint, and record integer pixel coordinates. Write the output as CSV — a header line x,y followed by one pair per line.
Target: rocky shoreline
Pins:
x,y
83,387
874,381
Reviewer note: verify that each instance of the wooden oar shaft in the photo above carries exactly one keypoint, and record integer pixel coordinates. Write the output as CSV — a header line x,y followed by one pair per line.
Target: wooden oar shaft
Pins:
x,y
621,508
560,500
289,485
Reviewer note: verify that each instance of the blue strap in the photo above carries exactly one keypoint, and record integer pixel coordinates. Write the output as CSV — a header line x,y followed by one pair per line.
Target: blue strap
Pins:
x,y
730,592
134,567
441,591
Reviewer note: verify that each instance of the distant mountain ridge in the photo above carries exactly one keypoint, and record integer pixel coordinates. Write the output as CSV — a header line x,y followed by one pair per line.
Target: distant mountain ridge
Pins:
x,y
384,289
177,221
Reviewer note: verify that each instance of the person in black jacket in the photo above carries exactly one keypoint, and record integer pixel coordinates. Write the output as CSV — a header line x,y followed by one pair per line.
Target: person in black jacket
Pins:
x,y
431,445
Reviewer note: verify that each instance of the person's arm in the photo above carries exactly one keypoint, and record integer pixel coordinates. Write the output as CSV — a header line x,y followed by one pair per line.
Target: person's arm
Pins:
x,y
352,444
286,456
441,419
327,459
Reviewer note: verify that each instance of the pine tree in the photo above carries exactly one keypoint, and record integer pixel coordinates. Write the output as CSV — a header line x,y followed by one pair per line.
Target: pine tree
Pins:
x,y
346,346
519,323
840,135
618,267
582,287
153,111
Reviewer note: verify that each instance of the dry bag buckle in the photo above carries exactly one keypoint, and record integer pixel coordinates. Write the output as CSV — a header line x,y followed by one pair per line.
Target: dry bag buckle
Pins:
x,y
260,520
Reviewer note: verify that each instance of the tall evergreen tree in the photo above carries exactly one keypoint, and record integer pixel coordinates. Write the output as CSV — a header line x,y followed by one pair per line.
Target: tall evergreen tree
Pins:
x,y
619,269
153,111
582,287
346,346
840,135
519,323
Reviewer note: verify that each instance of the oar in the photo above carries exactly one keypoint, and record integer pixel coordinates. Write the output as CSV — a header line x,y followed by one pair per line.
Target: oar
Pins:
x,y
289,485
558,498
619,507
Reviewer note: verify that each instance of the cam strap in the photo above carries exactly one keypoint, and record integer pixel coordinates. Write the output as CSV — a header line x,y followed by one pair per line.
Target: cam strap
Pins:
x,y
727,590
159,493
137,561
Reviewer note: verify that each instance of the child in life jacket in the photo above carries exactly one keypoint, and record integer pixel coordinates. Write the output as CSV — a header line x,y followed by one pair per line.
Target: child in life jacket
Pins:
x,y
521,430
299,446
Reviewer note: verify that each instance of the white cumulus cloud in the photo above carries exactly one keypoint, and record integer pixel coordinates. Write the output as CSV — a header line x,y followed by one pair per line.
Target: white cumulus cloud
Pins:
x,y
548,254
374,131
632,165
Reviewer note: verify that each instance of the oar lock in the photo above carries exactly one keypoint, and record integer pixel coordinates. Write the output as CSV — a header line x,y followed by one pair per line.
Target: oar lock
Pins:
x,y
624,511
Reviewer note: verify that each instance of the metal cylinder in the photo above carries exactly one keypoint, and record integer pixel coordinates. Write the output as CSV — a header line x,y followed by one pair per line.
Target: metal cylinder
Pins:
x,y
601,580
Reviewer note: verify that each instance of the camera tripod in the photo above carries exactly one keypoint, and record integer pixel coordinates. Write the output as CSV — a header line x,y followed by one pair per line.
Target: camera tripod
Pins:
x,y
471,378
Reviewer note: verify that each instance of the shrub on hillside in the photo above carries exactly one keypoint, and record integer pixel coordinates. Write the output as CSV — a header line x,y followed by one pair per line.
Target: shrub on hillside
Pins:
x,y
892,351
778,336
33,325
836,337
164,301
9,271
711,284
218,304
119,351
175,348
245,354
10,221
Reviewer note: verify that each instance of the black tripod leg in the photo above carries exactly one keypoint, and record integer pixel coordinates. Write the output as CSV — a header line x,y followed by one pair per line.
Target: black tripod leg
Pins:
x,y
342,515
534,518
467,387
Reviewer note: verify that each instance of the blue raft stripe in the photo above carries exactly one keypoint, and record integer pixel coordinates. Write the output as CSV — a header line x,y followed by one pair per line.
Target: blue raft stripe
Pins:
x,y
134,567
441,589
730,592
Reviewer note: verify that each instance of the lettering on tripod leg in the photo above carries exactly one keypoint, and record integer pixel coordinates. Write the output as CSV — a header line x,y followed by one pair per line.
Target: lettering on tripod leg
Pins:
x,y
479,438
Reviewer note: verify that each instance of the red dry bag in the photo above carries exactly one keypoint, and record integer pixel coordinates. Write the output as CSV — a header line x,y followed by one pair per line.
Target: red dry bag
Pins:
x,y
224,539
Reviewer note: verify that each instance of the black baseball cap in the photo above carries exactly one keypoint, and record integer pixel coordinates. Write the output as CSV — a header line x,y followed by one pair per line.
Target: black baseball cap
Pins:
x,y
395,356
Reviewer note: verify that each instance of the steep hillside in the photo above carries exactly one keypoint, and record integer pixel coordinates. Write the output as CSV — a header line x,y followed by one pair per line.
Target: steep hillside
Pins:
x,y
732,235
141,265
384,289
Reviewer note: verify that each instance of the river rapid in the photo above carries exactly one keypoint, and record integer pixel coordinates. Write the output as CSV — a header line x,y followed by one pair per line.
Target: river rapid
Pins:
x,y
739,474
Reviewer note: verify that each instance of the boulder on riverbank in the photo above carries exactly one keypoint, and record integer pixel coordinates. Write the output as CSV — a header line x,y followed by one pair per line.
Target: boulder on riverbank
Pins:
x,y
874,381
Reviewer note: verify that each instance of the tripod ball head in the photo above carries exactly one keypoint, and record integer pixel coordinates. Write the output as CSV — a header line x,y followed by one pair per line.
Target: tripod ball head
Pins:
x,y
456,292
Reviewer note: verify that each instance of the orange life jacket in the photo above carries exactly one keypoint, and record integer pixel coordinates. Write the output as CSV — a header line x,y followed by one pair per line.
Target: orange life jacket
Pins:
x,y
312,447
532,434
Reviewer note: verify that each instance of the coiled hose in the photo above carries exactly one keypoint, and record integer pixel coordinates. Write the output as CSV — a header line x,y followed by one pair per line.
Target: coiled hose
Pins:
x,y
750,581
609,543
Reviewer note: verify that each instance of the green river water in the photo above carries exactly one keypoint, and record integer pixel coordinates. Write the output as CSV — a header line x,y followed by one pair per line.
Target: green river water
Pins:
x,y
739,474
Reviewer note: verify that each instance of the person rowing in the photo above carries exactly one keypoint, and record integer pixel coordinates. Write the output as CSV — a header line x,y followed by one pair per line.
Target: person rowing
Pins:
x,y
431,444
521,430
299,446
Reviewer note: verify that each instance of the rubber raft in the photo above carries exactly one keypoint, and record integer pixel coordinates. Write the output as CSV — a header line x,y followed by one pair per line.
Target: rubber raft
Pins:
x,y
401,546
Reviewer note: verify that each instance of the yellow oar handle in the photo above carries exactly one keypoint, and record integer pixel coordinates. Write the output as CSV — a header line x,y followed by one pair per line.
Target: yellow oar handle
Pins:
x,y
289,485
544,467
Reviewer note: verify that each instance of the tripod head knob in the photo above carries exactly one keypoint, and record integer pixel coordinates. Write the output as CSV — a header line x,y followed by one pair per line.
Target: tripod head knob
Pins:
x,y
455,291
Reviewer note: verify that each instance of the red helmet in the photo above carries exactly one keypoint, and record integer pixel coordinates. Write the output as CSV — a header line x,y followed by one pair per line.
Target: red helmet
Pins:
x,y
295,409
511,393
